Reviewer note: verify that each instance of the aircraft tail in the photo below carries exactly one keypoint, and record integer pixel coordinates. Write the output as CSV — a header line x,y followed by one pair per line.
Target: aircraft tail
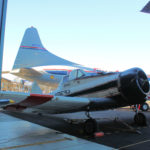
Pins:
x,y
32,53
35,88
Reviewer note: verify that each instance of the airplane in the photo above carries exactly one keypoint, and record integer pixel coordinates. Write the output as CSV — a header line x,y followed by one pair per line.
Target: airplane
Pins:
x,y
35,63
80,91
146,8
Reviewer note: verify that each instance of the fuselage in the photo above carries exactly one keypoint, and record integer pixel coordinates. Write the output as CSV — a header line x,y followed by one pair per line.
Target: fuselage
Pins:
x,y
81,92
45,75
101,91
100,85
124,87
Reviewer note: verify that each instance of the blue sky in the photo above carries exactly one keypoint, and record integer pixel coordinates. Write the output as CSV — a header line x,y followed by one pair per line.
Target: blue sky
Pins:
x,y
107,34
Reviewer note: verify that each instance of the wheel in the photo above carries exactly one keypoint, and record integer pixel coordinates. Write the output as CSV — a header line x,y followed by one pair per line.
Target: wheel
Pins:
x,y
144,107
90,126
140,119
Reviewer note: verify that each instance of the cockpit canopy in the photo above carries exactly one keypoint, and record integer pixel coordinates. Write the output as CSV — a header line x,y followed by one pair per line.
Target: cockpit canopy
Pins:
x,y
77,73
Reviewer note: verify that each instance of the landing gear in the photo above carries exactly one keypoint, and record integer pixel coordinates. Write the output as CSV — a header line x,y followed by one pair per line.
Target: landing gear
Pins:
x,y
144,107
87,113
90,125
139,118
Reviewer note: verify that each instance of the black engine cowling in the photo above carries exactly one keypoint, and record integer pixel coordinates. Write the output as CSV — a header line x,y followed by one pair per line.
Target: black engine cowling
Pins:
x,y
133,85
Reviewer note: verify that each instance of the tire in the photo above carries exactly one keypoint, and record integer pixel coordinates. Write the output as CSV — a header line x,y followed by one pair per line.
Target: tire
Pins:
x,y
90,126
144,107
140,119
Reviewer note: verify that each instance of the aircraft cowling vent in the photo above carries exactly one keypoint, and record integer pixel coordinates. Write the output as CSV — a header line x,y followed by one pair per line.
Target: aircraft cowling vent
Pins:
x,y
134,85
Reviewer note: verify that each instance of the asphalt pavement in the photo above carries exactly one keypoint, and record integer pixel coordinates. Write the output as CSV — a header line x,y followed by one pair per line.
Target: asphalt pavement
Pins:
x,y
118,127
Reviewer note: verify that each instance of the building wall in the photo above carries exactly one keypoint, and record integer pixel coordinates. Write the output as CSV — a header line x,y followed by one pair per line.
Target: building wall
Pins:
x,y
8,85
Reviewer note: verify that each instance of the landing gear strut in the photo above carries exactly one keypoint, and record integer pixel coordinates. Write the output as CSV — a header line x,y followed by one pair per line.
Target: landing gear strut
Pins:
x,y
87,113
139,118
90,125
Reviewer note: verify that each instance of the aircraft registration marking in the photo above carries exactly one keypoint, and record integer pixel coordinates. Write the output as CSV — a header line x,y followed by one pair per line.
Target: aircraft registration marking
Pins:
x,y
65,92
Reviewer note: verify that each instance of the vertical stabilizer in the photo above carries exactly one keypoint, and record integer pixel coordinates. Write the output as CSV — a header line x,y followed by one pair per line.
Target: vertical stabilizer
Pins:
x,y
35,88
32,53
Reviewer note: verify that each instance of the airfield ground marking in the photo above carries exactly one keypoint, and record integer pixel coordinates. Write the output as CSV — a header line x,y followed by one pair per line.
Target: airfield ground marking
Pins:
x,y
33,144
130,145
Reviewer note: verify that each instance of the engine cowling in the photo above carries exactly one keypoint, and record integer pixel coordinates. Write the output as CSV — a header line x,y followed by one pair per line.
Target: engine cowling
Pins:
x,y
133,85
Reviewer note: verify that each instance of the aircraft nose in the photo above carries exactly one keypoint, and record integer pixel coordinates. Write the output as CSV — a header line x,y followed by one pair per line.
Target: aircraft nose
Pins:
x,y
134,85
143,81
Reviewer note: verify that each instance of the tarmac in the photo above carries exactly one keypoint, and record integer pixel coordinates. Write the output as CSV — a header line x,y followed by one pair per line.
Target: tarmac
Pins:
x,y
18,134
118,127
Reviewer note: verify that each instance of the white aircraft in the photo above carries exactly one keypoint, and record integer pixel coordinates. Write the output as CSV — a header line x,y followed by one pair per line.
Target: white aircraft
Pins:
x,y
35,63
80,91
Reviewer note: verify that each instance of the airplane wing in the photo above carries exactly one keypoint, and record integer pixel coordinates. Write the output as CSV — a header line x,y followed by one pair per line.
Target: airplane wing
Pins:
x,y
43,102
40,77
5,102
54,104
25,72
24,100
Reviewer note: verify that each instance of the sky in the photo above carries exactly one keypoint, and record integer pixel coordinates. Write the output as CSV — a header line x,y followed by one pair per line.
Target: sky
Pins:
x,y
107,34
